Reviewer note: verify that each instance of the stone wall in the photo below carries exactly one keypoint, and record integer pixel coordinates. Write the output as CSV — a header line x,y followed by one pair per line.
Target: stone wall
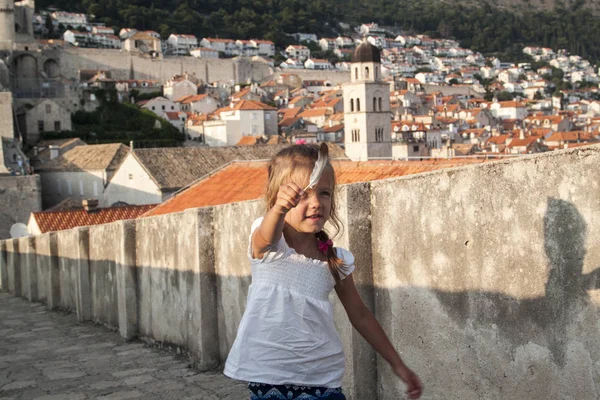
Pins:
x,y
6,128
125,65
485,277
19,196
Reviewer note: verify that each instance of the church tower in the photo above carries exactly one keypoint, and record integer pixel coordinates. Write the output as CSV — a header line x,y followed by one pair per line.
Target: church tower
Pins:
x,y
7,24
367,122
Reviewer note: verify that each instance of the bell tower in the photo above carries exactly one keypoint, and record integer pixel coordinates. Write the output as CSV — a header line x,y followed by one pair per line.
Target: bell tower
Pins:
x,y
367,122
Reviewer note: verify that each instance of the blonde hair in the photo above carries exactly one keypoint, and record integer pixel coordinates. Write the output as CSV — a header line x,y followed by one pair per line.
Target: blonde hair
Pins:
x,y
297,161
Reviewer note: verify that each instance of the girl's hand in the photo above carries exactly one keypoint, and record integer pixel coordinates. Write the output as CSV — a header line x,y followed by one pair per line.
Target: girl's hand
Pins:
x,y
414,388
288,197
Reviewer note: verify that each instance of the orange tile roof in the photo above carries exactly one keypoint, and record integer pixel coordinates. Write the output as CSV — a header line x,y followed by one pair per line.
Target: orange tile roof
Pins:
x,y
191,98
241,181
50,221
289,112
501,139
251,105
317,112
334,128
247,141
526,142
288,121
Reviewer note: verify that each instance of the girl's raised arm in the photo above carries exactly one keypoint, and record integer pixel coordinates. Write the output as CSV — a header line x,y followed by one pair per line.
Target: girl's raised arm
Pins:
x,y
271,228
366,324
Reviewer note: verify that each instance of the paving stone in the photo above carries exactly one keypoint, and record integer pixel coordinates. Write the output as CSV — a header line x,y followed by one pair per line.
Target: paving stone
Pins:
x,y
132,372
81,361
64,396
18,385
138,380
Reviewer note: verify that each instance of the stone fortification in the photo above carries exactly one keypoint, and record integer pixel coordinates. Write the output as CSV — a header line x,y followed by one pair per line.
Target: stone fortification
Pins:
x,y
485,277
19,196
124,65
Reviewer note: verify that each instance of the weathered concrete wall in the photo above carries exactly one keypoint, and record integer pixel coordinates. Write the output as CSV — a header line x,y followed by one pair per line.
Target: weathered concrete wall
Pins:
x,y
19,196
68,265
176,285
334,76
232,266
485,277
104,250
44,264
124,65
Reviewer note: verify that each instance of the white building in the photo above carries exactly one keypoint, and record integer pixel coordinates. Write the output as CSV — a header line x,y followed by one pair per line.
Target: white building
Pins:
x,y
142,42
159,105
298,52
198,104
265,47
315,63
371,29
177,88
509,110
80,173
104,30
106,41
127,33
328,44
77,38
244,118
181,44
246,48
226,46
204,52
67,18
367,124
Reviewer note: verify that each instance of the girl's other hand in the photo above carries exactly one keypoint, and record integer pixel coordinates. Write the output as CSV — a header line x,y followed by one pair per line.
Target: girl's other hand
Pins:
x,y
288,197
414,387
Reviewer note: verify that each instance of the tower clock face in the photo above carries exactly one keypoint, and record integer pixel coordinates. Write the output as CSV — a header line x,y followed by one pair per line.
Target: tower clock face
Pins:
x,y
355,120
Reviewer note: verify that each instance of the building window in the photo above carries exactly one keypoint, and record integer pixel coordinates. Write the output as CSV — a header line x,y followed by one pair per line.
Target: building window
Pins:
x,y
355,73
351,105
172,107
56,126
366,72
163,107
374,103
380,104
152,108
416,149
48,108
40,126
130,176
356,135
357,104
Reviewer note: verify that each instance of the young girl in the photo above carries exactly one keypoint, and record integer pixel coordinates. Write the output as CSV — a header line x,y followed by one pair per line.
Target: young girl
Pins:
x,y
287,346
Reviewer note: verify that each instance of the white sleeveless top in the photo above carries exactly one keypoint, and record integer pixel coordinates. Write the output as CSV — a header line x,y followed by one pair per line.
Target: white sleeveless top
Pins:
x,y
286,335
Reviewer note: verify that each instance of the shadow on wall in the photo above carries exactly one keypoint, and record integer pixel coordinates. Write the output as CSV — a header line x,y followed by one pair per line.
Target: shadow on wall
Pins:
x,y
174,280
566,290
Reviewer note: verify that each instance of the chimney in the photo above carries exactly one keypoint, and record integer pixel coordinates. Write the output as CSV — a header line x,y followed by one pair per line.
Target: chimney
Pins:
x,y
90,205
131,145
521,134
53,151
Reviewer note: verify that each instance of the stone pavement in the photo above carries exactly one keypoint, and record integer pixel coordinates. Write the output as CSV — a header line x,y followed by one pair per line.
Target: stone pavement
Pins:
x,y
48,355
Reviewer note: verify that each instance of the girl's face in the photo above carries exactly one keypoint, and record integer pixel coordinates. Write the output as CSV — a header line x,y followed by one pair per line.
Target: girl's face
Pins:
x,y
314,208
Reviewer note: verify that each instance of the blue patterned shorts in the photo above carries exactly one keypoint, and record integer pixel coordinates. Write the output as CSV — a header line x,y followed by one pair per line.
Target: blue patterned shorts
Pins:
x,y
261,391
